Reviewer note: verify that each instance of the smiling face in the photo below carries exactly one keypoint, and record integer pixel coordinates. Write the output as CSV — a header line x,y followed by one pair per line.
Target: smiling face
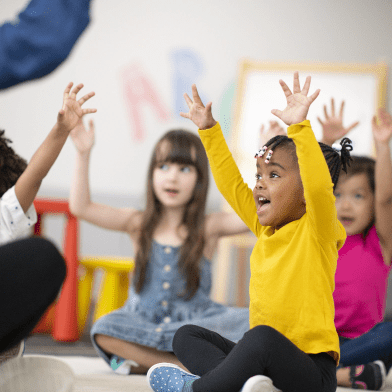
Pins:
x,y
354,203
279,194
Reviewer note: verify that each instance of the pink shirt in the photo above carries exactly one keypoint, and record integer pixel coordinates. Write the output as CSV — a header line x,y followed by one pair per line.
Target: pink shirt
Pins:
x,y
361,281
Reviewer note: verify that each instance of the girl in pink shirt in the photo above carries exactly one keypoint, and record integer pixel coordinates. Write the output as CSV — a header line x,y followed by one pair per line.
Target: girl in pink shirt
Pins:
x,y
364,207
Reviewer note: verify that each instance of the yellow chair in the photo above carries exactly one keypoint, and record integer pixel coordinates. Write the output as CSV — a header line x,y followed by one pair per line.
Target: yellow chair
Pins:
x,y
113,290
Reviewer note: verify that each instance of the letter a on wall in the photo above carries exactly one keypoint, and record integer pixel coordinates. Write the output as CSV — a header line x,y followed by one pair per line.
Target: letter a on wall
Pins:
x,y
139,93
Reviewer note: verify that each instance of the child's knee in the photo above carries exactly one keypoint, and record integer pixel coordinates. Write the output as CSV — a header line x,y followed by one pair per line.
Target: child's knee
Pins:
x,y
262,337
182,335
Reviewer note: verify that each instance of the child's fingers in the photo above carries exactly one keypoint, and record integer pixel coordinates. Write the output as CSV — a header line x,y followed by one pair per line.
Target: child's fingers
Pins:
x,y
305,90
76,90
341,110
332,107
91,126
208,107
326,113
277,113
88,111
285,88
385,117
352,126
185,115
67,90
262,128
296,85
314,95
374,122
86,98
319,119
188,100
196,97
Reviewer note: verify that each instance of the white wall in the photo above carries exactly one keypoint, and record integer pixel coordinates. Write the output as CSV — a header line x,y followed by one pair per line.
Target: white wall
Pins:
x,y
173,42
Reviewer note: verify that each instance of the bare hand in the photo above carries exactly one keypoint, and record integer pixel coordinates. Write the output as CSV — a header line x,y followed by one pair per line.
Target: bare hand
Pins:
x,y
83,139
298,103
274,130
382,132
201,115
72,111
332,126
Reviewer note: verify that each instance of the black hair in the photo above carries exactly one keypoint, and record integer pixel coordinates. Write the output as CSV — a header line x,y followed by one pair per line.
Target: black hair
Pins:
x,y
11,165
335,161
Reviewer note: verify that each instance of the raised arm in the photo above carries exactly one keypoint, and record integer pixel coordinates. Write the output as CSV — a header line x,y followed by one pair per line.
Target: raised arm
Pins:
x,y
121,219
315,176
224,169
28,184
382,133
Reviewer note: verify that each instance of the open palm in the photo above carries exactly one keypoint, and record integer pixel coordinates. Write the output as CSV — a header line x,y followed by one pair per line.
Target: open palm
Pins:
x,y
382,132
201,115
82,138
71,110
298,102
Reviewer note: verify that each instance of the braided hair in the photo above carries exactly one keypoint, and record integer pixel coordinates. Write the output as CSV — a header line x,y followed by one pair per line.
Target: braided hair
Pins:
x,y
335,162
11,165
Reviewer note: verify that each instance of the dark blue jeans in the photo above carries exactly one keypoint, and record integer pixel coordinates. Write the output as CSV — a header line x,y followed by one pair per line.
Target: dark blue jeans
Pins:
x,y
371,346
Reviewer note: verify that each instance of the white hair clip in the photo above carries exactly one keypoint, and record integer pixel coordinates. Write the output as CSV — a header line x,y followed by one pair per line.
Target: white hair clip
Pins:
x,y
261,152
269,155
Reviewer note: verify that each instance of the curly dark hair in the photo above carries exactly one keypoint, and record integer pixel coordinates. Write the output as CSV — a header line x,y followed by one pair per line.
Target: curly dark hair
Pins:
x,y
11,165
335,161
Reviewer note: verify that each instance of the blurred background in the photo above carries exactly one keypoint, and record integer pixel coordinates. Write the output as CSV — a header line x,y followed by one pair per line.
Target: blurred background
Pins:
x,y
141,56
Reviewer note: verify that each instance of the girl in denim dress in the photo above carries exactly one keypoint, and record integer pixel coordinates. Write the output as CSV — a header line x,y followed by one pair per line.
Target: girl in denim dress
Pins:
x,y
174,242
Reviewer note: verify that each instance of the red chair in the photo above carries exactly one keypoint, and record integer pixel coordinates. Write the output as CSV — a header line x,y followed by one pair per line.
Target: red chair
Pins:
x,y
61,319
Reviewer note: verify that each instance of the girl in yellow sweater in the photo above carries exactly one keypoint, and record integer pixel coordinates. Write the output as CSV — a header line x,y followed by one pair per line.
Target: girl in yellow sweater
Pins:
x,y
292,344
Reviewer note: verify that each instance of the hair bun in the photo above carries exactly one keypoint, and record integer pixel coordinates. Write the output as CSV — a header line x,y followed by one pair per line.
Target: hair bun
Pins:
x,y
345,149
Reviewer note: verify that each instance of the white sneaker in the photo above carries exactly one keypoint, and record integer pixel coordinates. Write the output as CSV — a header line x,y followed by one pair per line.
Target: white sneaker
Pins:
x,y
259,384
36,373
13,352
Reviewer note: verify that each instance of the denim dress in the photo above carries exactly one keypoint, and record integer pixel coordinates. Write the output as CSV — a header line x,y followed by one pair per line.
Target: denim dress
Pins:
x,y
152,317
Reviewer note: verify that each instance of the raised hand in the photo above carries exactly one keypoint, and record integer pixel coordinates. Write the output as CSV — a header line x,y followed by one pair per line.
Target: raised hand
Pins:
x,y
201,115
72,111
332,126
382,131
298,102
82,138
274,130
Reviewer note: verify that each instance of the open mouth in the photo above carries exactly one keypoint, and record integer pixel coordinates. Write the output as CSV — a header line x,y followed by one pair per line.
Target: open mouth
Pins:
x,y
263,203
345,220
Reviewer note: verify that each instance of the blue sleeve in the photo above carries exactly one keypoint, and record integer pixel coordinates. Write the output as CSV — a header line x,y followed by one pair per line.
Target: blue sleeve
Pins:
x,y
40,39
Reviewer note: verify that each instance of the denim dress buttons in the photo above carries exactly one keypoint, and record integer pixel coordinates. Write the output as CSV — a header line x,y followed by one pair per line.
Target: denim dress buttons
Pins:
x,y
152,317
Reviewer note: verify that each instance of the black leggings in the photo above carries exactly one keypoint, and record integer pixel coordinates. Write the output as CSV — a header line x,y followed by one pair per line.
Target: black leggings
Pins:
x,y
225,366
31,274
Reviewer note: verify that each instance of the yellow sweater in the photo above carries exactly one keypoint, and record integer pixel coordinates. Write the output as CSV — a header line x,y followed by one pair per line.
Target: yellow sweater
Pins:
x,y
293,268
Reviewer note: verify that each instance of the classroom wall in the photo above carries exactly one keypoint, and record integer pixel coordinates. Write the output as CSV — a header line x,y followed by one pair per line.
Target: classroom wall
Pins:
x,y
140,57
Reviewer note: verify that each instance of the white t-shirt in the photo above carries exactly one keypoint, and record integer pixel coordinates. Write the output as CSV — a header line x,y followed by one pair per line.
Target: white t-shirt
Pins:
x,y
14,223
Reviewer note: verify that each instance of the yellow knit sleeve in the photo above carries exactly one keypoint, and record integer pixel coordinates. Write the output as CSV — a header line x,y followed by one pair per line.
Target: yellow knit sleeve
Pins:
x,y
317,182
228,178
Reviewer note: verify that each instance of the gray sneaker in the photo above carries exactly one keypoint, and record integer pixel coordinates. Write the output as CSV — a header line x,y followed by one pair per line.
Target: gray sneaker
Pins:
x,y
36,373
